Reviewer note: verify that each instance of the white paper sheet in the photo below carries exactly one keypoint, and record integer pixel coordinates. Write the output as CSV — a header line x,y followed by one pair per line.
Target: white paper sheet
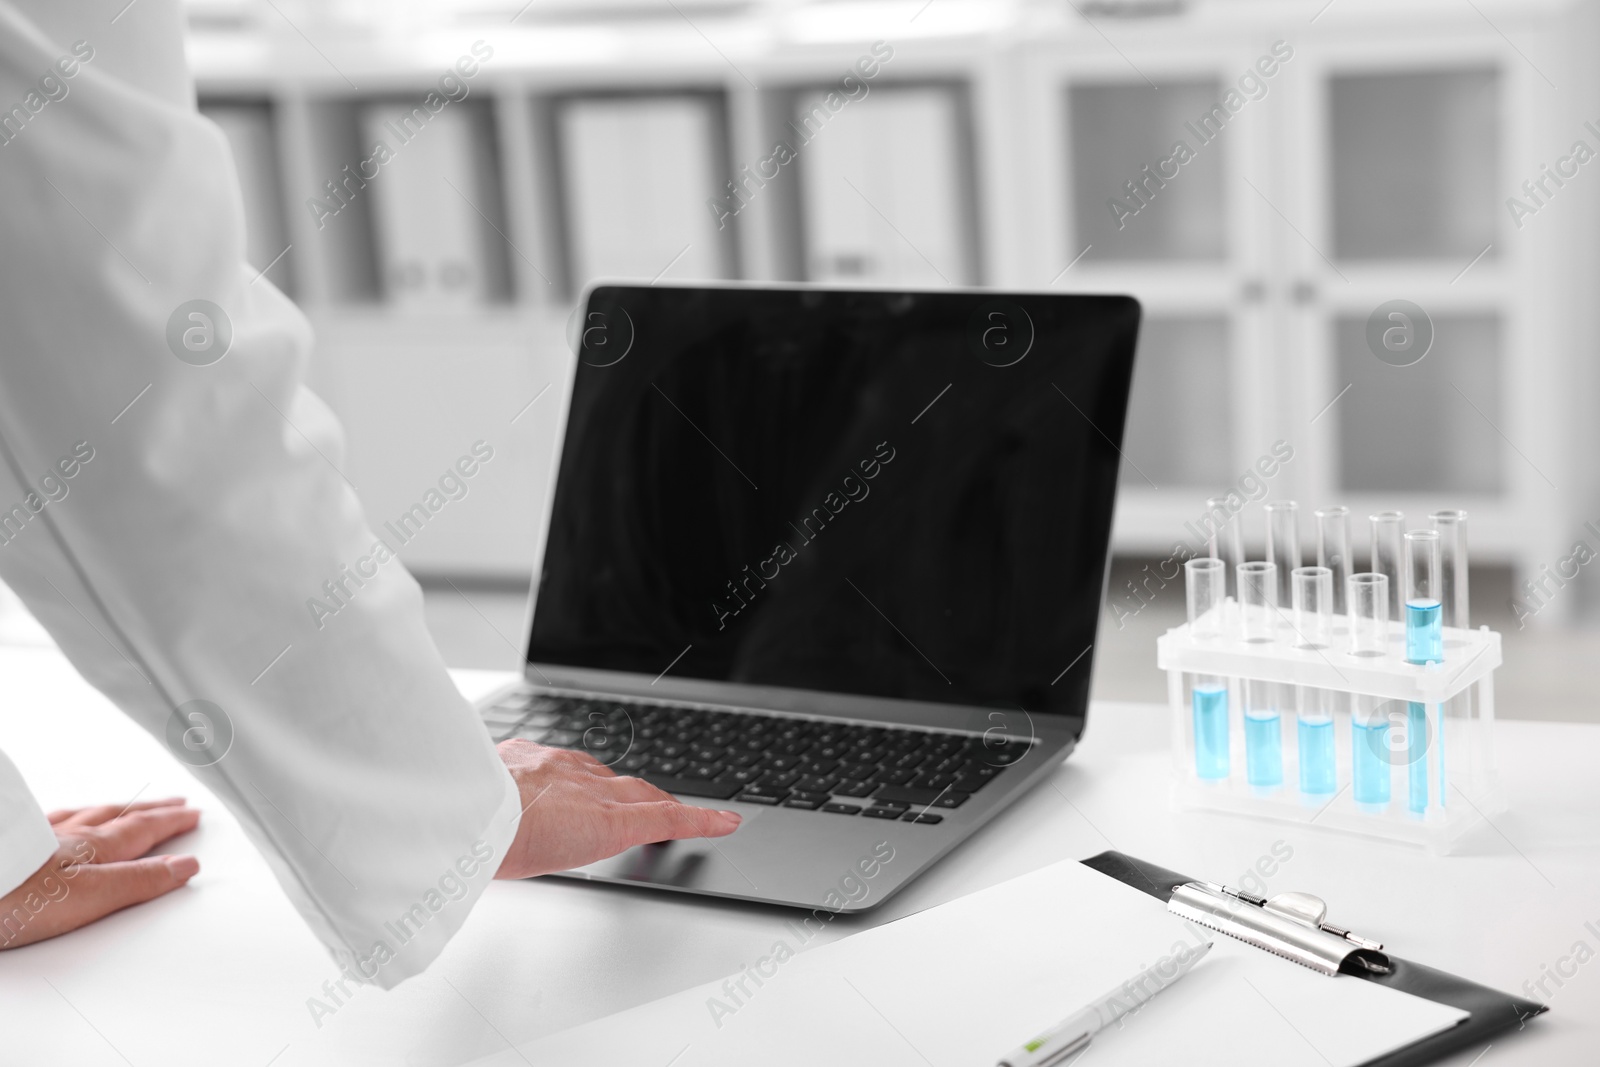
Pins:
x,y
962,984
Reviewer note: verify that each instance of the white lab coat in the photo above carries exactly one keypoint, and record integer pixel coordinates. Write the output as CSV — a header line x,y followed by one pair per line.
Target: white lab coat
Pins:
x,y
204,509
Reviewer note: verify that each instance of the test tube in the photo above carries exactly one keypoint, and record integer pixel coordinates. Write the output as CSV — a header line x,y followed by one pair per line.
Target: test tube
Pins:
x,y
1333,550
1368,596
1283,544
1424,644
1388,542
1313,622
1263,726
1226,541
1424,637
1452,528
1206,588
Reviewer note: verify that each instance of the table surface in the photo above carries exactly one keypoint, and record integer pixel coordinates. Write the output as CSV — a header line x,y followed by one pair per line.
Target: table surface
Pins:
x,y
221,971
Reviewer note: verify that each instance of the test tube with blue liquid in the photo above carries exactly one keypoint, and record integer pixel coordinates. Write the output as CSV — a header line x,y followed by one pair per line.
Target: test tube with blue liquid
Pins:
x,y
1424,644
1313,623
1263,724
1367,594
1206,583
1283,552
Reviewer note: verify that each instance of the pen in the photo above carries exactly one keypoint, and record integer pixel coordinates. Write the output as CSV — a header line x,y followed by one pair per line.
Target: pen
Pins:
x,y
1078,1029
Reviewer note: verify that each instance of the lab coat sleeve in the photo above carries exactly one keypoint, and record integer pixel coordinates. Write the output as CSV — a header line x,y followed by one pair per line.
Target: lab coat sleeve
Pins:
x,y
180,524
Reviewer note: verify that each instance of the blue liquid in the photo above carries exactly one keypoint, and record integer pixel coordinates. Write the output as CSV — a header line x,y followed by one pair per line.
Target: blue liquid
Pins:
x,y
1417,756
1424,644
1316,756
1263,749
1369,767
1210,730
1424,631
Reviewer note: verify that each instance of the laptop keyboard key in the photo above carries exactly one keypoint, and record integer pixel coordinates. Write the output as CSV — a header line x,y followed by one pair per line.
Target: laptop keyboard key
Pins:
x,y
903,795
692,787
848,788
841,809
881,813
922,816
561,738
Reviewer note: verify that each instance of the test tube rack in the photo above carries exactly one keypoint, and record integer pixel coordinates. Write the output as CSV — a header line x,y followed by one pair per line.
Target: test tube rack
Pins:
x,y
1456,755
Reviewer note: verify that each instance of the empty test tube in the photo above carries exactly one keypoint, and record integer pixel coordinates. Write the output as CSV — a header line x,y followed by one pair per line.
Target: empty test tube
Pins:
x,y
1226,541
1452,528
1313,623
1283,544
1333,550
1263,725
1455,612
1205,581
1388,542
1368,597
1424,644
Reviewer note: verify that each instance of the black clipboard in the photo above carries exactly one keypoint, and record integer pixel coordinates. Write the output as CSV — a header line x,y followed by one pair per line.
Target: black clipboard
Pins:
x,y
1489,1011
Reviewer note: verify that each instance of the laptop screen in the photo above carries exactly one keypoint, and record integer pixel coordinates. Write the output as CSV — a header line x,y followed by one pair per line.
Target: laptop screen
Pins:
x,y
902,495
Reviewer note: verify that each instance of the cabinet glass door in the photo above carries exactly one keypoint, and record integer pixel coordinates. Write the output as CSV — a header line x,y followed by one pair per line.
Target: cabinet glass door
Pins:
x,y
1148,197
1416,306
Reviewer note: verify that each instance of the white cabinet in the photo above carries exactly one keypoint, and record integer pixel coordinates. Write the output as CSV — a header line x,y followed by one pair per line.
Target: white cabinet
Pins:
x,y
636,172
1266,177
886,199
1271,197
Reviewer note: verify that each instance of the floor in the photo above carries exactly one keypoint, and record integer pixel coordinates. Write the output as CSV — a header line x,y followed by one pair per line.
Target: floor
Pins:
x,y
1545,675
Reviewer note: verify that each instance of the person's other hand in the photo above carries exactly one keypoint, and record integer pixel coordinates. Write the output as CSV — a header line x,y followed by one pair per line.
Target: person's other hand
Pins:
x,y
97,869
576,810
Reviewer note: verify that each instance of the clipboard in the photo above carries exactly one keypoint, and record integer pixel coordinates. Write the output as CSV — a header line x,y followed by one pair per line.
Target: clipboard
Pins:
x,y
1293,925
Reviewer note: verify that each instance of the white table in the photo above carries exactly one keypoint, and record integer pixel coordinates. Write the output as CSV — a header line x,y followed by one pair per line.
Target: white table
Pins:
x,y
219,973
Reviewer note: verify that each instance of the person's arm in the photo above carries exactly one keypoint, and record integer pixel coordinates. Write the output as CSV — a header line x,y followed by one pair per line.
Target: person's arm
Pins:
x,y
174,514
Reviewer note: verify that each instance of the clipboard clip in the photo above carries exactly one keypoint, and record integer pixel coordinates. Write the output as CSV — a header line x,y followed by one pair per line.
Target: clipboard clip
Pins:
x,y
1291,925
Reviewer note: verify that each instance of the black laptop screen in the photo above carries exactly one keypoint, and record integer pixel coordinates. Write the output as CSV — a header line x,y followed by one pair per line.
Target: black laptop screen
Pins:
x,y
902,495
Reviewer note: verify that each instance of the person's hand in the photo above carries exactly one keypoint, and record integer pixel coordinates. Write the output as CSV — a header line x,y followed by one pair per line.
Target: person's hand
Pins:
x,y
96,869
576,810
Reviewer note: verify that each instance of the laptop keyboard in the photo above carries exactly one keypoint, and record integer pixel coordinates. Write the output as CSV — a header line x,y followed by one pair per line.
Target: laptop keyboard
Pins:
x,y
878,772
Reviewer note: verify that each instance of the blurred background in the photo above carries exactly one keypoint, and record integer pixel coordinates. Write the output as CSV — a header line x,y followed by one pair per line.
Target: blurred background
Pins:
x,y
1268,178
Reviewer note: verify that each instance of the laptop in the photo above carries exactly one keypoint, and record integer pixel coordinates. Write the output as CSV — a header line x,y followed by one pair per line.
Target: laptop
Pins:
x,y
832,559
